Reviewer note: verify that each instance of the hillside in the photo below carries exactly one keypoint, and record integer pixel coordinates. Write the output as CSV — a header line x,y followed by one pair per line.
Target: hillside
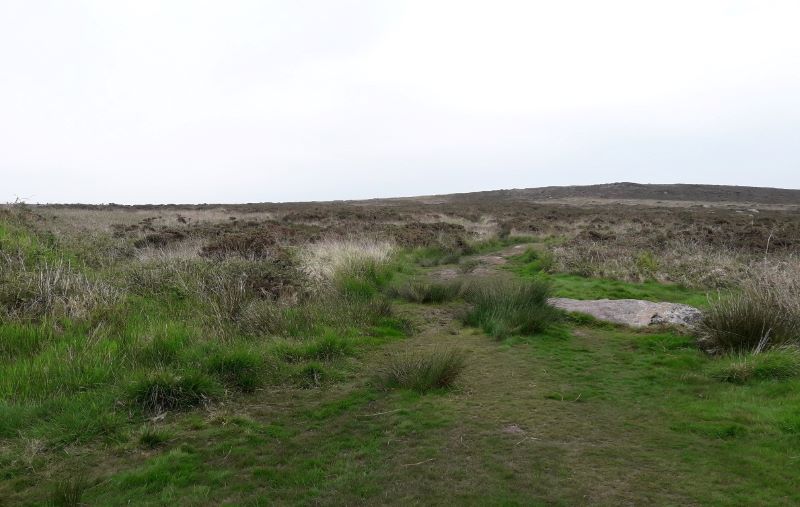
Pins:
x,y
634,191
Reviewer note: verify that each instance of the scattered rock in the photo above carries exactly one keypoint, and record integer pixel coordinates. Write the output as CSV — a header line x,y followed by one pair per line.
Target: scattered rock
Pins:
x,y
632,312
444,274
513,429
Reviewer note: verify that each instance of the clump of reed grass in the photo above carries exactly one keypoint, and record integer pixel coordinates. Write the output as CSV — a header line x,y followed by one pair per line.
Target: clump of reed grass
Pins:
x,y
504,307
51,290
151,438
326,310
67,493
160,391
240,369
324,348
331,260
422,371
765,313
425,291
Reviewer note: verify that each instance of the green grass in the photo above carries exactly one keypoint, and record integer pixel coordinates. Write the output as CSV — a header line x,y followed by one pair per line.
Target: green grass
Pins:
x,y
422,371
761,316
242,370
537,264
325,399
151,438
574,412
492,244
160,391
776,364
439,255
503,308
67,493
426,291
325,348
571,286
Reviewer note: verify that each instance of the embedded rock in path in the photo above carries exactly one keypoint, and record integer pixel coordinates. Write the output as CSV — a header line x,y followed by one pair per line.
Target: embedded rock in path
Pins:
x,y
632,312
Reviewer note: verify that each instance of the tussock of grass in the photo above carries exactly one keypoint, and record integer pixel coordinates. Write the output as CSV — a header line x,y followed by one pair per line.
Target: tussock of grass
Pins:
x,y
242,370
67,493
508,307
161,350
311,375
325,348
765,313
150,437
161,391
439,255
330,260
23,339
51,290
324,311
422,371
424,291
775,364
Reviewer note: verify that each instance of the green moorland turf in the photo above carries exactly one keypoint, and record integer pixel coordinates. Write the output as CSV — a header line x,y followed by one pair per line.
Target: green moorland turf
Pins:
x,y
592,417
580,287
576,415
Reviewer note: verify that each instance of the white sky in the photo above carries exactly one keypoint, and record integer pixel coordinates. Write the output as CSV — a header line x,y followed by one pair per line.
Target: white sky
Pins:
x,y
246,101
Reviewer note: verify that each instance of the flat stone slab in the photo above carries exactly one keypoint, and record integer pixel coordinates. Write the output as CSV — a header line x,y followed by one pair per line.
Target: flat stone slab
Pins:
x,y
631,312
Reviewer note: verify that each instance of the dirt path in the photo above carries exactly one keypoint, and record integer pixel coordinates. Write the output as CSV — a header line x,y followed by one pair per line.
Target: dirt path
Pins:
x,y
522,429
487,264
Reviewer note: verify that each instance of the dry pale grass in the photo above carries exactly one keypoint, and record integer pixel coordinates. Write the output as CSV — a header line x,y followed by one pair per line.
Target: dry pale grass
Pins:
x,y
325,261
188,249
763,314
54,289
686,263
73,220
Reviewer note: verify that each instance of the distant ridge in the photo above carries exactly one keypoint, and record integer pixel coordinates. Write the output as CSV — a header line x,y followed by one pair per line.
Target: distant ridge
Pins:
x,y
626,190
610,191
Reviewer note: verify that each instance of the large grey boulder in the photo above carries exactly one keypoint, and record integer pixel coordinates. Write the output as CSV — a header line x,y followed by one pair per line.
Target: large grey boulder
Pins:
x,y
631,312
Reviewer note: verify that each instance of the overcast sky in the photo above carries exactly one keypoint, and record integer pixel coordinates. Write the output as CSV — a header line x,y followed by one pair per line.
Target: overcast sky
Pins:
x,y
245,101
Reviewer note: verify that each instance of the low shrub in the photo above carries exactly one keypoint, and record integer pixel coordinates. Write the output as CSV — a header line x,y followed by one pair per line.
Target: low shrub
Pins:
x,y
423,291
508,307
162,391
775,364
422,371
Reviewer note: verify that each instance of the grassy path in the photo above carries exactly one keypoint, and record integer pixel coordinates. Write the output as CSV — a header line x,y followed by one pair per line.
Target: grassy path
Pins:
x,y
590,417
580,415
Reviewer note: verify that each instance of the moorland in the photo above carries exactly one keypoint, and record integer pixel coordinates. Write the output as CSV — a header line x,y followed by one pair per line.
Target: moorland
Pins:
x,y
402,351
